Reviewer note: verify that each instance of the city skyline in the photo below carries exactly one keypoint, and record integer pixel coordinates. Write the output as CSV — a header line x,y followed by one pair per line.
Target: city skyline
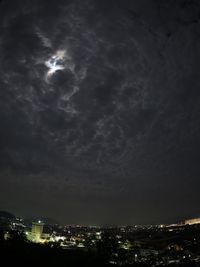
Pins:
x,y
141,245
53,221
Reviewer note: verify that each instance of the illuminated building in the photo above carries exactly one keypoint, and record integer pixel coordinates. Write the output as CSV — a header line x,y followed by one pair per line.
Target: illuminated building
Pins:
x,y
192,221
6,235
36,231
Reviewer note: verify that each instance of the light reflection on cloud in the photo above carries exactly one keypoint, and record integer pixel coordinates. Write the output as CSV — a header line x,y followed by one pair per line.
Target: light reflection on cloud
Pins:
x,y
56,62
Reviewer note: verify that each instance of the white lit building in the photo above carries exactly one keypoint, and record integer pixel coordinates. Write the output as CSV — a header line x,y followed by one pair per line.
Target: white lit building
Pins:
x,y
192,221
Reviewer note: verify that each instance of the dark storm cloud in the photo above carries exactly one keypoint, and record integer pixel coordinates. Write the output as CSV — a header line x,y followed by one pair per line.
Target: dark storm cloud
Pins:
x,y
119,119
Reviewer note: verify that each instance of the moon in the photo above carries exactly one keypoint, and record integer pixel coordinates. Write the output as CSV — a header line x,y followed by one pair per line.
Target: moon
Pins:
x,y
55,63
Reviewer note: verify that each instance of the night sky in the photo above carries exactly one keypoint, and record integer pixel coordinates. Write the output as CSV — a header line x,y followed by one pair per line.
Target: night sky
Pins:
x,y
100,110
